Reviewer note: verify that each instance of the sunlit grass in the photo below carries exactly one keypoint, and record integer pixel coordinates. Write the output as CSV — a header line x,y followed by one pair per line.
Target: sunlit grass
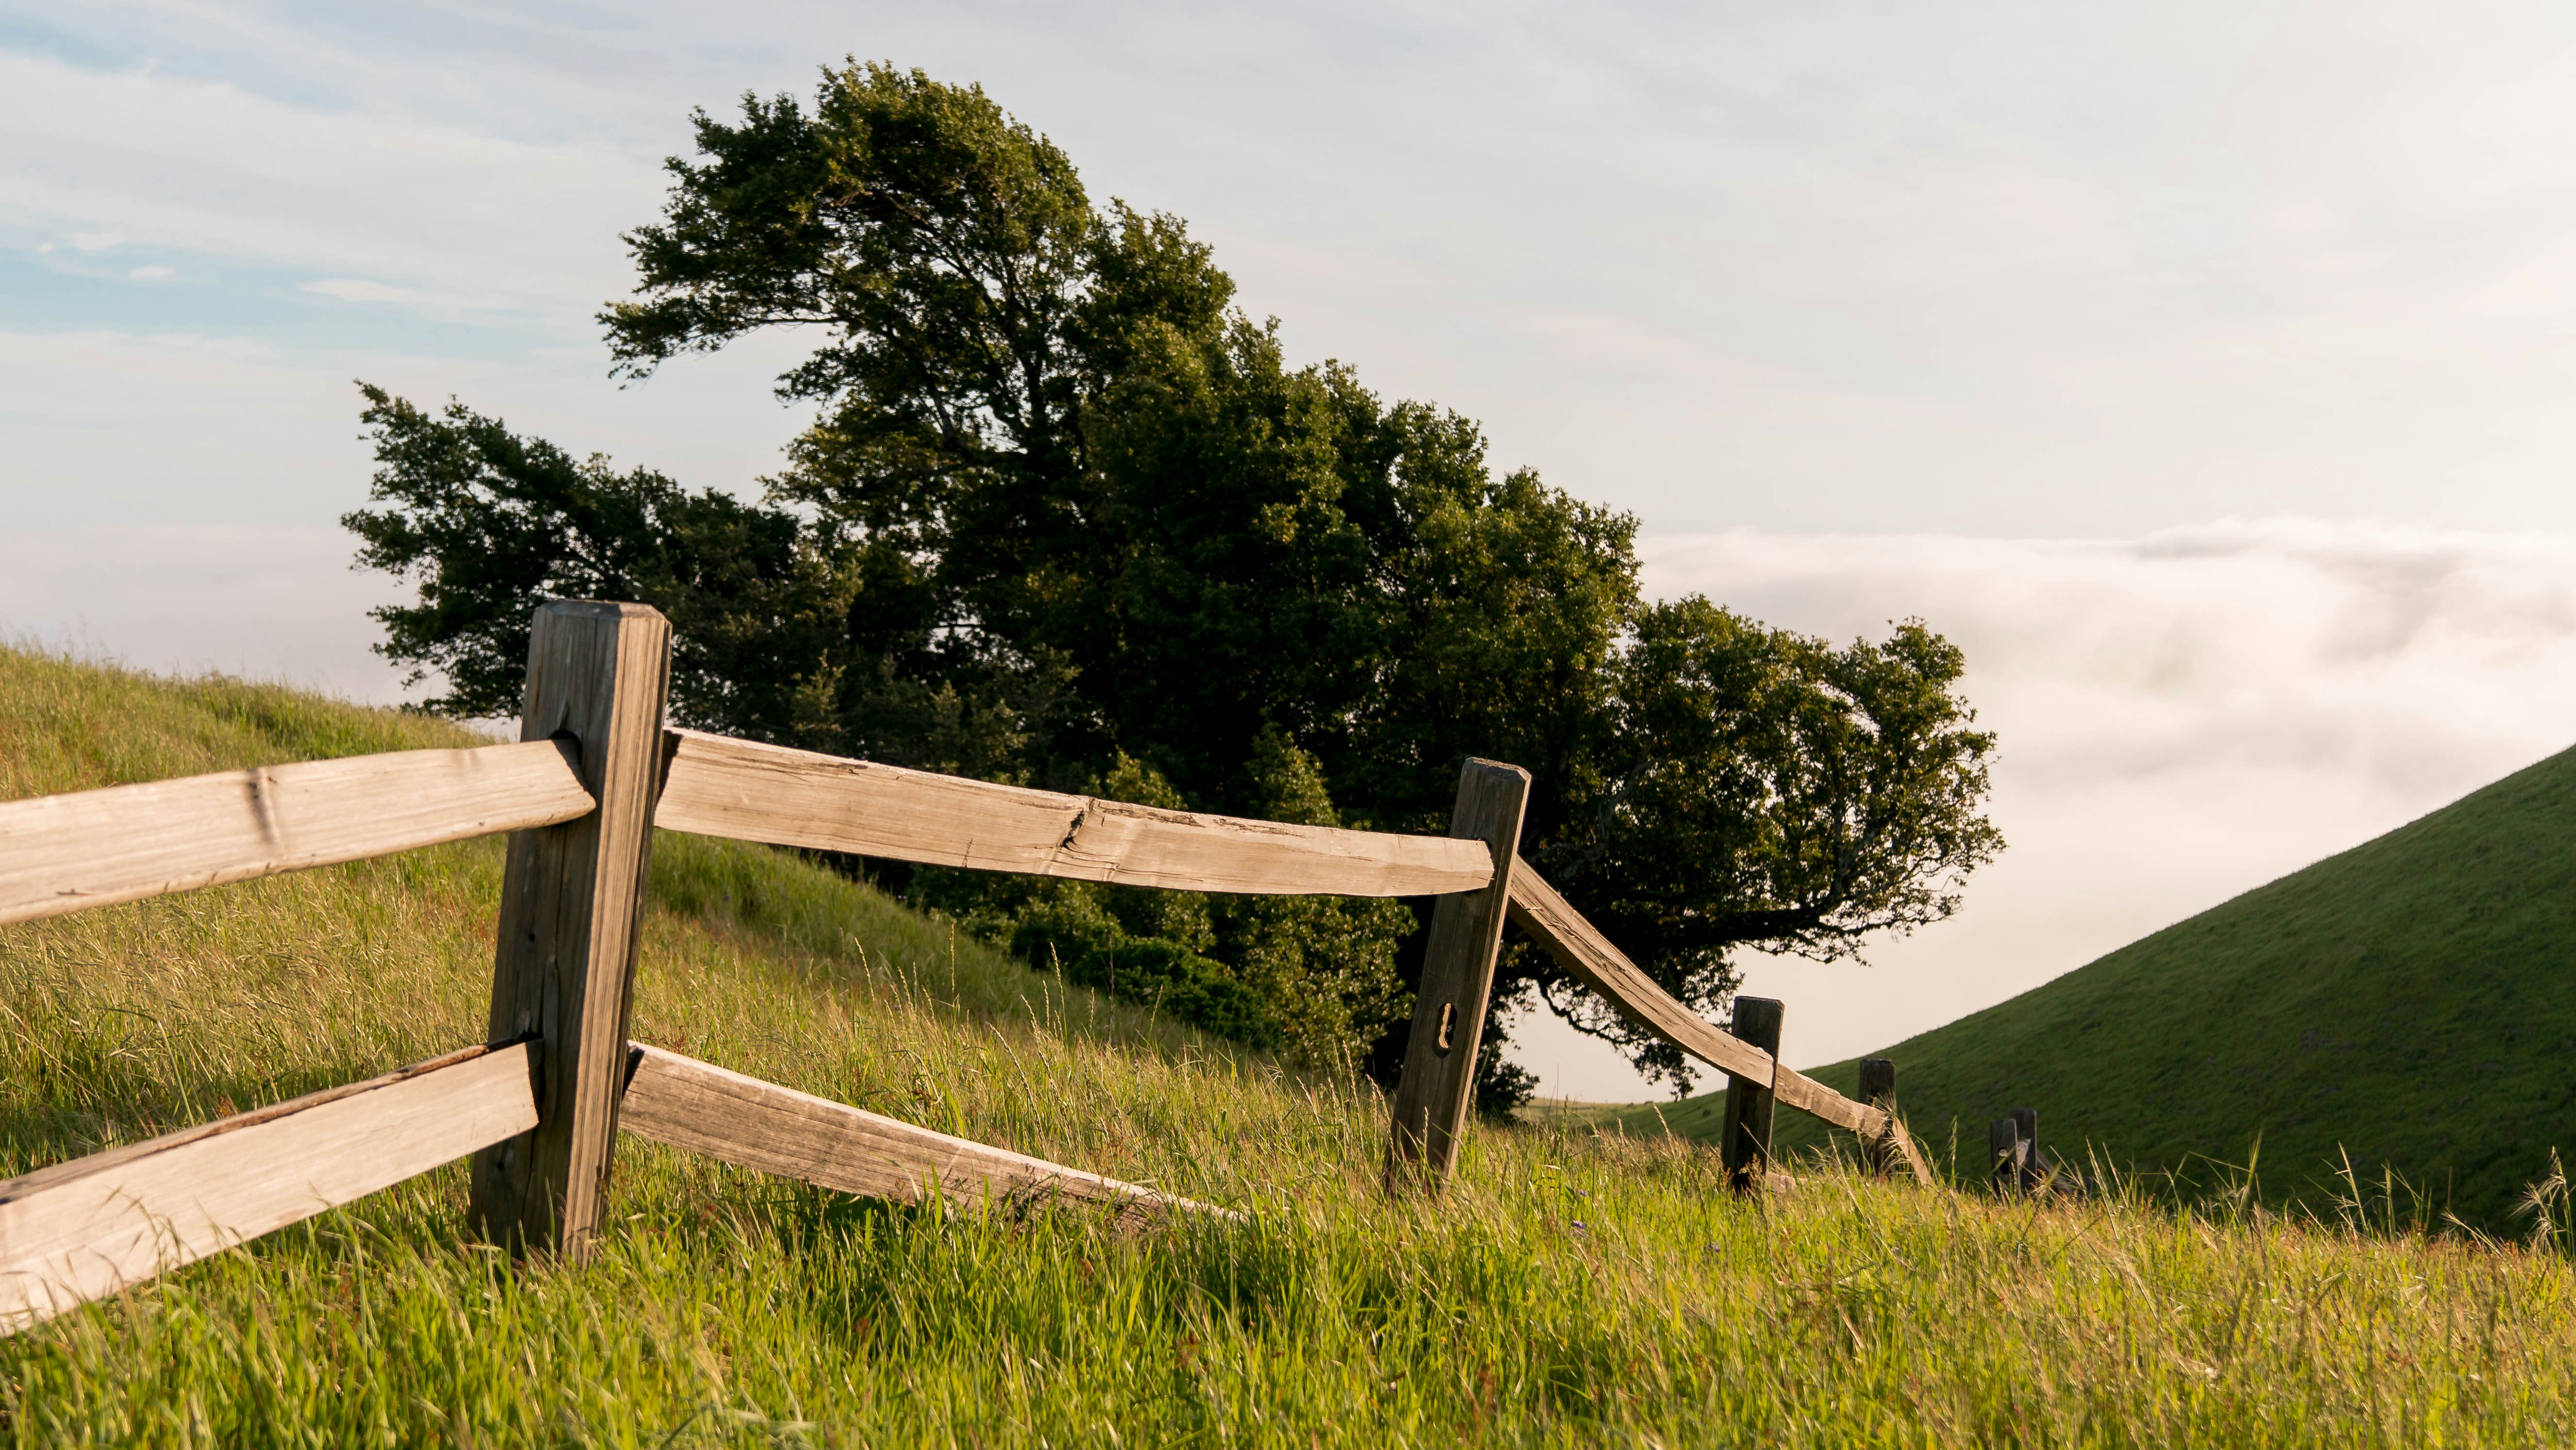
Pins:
x,y
1571,1288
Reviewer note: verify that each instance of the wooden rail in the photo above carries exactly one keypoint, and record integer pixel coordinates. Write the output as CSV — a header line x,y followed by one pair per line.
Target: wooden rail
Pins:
x,y
78,1230
1584,952
67,852
760,1125
715,786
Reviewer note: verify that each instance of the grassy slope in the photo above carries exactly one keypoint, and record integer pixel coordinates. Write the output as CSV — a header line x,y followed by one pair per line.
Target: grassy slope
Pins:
x,y
1570,1289
2411,1002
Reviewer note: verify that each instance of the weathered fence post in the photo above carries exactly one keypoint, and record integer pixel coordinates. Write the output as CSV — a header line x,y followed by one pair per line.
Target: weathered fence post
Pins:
x,y
2034,1172
2019,1166
1878,1090
1431,1098
572,899
1746,1146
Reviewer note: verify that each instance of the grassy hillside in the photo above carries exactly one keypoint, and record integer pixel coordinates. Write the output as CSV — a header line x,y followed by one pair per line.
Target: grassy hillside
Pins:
x,y
1571,1289
2410,1003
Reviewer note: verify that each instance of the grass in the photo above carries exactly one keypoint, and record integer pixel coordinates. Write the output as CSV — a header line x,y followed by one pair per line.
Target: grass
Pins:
x,y
1572,1288
2407,1007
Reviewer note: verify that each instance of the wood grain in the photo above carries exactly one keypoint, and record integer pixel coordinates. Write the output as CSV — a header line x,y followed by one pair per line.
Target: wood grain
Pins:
x,y
760,1125
1431,1098
715,786
572,906
1589,957
63,853
75,1231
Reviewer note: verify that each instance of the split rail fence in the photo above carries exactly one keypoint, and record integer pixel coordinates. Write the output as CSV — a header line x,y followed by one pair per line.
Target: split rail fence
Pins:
x,y
539,1105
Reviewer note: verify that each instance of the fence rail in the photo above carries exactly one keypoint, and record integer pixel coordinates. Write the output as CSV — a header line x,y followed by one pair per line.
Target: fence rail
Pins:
x,y
755,1124
716,786
96,848
78,1230
1585,953
594,775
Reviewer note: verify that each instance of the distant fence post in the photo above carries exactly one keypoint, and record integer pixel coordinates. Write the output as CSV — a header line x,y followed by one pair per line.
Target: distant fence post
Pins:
x,y
1431,1098
2003,1154
1878,1090
1746,1146
2018,1164
572,900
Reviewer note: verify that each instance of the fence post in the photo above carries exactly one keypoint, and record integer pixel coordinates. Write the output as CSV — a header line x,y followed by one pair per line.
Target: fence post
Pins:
x,y
572,899
1878,1090
1431,1097
2026,1130
1746,1145
2003,1154
2014,1139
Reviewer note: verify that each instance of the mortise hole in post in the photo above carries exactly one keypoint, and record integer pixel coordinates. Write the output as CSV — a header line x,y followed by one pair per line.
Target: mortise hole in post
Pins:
x,y
1448,1021
570,745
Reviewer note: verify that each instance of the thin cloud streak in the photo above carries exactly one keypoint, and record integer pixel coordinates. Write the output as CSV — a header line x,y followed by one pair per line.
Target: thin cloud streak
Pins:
x,y
435,215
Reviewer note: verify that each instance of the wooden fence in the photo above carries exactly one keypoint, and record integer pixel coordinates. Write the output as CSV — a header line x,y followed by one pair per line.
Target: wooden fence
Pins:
x,y
540,1104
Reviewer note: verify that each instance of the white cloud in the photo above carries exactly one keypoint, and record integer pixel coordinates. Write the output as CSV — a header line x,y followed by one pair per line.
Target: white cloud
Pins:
x,y
157,272
93,241
2181,717
445,306
438,215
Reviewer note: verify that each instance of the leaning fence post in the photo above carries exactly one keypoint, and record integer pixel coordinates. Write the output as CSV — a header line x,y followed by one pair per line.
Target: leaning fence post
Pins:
x,y
572,899
1457,978
1746,1146
1878,1090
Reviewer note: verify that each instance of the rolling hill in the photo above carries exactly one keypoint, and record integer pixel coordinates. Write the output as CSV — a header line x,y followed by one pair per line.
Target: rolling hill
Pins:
x,y
2410,1003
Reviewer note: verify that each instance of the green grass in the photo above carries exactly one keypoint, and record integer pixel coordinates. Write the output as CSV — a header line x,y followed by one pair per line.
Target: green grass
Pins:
x,y
1572,1288
2408,1006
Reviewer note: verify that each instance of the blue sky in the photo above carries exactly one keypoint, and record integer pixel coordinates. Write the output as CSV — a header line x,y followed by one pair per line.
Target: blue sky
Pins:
x,y
2201,367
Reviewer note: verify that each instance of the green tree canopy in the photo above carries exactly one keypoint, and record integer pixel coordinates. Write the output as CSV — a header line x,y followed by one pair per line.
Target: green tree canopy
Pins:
x,y
1067,516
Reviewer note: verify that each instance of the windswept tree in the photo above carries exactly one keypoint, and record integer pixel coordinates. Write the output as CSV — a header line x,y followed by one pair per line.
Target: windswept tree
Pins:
x,y
1067,516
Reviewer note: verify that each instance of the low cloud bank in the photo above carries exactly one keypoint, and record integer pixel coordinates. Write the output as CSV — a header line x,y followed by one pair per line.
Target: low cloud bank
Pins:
x,y
2182,717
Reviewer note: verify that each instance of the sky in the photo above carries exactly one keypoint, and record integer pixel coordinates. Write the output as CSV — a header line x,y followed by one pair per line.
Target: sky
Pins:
x,y
2199,368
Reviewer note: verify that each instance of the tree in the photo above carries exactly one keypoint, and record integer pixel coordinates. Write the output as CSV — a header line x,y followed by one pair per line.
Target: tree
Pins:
x,y
1068,517
975,311
485,522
